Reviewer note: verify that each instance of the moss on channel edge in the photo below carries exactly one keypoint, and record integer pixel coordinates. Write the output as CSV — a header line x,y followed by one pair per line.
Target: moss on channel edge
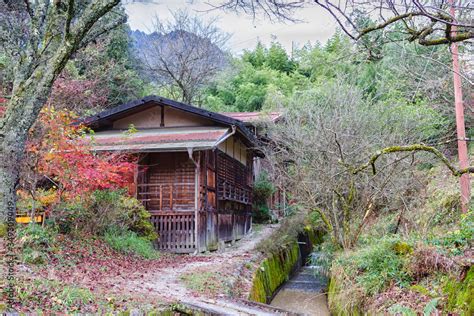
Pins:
x,y
273,272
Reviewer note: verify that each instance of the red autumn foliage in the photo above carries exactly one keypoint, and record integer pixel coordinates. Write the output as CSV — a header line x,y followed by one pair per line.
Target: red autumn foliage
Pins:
x,y
63,154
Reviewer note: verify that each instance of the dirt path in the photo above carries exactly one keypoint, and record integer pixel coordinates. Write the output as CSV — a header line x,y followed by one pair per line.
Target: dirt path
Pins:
x,y
122,280
226,266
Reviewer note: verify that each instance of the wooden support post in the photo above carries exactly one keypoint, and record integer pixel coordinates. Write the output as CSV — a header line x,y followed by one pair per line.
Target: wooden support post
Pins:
x,y
161,197
152,196
196,202
135,181
171,197
162,122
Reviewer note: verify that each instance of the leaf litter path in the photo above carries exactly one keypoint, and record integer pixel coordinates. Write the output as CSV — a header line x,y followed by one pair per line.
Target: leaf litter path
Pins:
x,y
225,266
129,282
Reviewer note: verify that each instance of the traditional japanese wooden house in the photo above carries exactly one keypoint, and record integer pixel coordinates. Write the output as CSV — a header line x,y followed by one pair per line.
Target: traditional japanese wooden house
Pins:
x,y
194,172
257,122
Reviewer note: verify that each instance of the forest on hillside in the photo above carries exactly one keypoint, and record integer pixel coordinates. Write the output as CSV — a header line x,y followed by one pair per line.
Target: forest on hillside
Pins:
x,y
365,156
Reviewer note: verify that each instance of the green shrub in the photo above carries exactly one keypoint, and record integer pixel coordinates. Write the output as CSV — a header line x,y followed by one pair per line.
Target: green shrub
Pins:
x,y
130,243
261,213
262,190
105,210
36,242
377,265
138,218
68,218
36,236
456,241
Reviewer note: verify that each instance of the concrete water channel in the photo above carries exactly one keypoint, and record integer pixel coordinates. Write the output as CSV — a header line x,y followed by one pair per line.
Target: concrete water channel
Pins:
x,y
304,293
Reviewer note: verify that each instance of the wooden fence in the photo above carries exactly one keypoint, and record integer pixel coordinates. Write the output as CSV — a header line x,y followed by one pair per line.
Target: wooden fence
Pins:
x,y
176,230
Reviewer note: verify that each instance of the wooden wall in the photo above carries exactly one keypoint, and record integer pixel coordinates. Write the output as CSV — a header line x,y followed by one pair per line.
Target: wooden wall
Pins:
x,y
225,198
166,186
235,148
166,182
152,118
176,230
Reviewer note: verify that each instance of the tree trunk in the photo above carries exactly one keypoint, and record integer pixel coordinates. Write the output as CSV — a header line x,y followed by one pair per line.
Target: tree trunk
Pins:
x,y
34,76
22,111
9,178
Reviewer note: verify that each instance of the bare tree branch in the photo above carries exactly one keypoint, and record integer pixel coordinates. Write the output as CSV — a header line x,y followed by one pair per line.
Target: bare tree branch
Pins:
x,y
323,134
428,22
183,54
409,148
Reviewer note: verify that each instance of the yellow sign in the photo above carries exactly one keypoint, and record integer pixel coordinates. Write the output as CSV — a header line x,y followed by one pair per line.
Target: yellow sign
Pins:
x,y
27,219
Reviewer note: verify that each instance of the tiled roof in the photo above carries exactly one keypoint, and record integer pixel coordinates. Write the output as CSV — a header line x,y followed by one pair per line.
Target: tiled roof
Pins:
x,y
160,139
103,119
251,117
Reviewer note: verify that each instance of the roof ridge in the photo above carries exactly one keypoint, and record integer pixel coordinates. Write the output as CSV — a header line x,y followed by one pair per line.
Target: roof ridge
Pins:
x,y
129,106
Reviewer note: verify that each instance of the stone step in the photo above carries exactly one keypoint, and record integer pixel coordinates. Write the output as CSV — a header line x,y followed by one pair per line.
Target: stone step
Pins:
x,y
237,308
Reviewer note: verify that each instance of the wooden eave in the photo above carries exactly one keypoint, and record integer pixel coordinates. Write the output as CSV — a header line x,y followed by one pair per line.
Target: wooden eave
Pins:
x,y
104,119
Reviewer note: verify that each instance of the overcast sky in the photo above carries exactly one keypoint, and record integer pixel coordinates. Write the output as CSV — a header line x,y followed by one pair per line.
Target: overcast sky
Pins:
x,y
318,25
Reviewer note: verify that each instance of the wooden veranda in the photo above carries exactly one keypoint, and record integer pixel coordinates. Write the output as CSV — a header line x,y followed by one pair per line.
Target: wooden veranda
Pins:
x,y
187,219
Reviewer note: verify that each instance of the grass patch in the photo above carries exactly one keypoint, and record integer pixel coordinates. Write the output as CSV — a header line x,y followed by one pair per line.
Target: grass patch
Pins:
x,y
36,243
130,243
257,228
47,295
203,282
51,297
284,236
377,265
73,296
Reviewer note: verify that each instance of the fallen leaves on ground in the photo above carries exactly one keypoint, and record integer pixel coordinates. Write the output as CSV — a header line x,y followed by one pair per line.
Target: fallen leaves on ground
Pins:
x,y
84,274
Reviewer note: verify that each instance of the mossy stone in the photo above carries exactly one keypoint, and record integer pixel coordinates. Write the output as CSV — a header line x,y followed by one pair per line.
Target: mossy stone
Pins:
x,y
402,248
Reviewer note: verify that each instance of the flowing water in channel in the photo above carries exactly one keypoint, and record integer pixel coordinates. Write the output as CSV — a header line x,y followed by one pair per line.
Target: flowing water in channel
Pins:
x,y
304,292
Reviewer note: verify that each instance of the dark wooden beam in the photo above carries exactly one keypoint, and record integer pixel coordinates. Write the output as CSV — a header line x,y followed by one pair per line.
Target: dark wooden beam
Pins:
x,y
162,123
